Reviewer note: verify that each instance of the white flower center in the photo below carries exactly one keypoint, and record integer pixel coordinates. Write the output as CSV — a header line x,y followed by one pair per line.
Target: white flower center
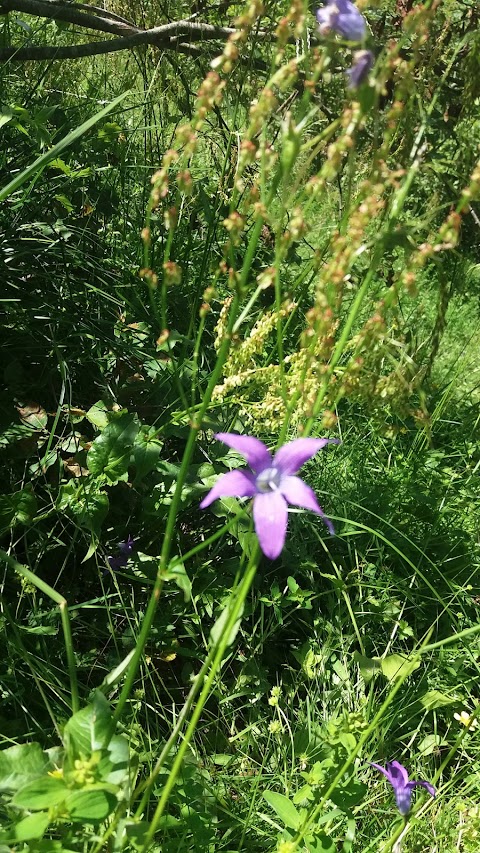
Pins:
x,y
268,480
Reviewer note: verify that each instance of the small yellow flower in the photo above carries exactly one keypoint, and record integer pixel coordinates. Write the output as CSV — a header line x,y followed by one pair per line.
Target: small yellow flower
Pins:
x,y
467,720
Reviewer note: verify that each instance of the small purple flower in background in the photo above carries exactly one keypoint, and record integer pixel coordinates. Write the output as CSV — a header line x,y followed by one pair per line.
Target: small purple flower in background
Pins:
x,y
271,483
342,17
362,65
121,560
397,775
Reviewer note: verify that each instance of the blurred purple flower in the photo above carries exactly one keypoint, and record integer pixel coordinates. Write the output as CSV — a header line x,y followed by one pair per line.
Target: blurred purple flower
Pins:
x,y
362,65
398,777
342,17
271,483
121,560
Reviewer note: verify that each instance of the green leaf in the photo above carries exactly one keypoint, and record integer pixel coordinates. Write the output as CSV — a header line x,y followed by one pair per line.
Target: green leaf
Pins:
x,y
85,503
435,699
146,452
32,826
87,730
219,627
321,844
18,508
40,794
33,415
90,805
368,666
284,808
98,414
398,666
111,451
39,164
176,572
430,744
21,764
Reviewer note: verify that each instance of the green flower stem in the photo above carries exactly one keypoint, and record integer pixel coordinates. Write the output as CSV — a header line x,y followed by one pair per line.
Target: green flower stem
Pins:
x,y
67,631
187,456
235,610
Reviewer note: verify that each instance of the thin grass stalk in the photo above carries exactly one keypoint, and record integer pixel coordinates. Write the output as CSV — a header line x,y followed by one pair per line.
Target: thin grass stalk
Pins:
x,y
67,630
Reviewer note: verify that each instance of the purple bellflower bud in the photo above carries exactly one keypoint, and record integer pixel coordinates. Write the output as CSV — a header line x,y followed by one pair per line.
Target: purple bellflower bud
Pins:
x,y
362,65
397,775
343,17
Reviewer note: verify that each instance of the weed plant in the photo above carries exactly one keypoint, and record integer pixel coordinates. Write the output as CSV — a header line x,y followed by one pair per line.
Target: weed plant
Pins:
x,y
251,246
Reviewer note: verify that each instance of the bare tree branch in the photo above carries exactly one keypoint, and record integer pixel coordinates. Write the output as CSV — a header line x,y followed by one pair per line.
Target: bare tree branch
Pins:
x,y
69,13
178,36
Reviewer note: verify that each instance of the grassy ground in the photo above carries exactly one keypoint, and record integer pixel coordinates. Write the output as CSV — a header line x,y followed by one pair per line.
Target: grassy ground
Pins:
x,y
354,648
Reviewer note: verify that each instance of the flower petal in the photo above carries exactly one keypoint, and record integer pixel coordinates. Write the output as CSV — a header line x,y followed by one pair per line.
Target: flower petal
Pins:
x,y
398,773
427,785
296,492
256,453
382,769
293,455
403,797
270,517
235,484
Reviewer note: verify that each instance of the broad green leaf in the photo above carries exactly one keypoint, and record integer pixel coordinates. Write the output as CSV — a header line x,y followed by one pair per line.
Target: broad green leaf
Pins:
x,y
430,744
398,666
98,414
21,764
85,503
321,844
32,826
146,452
18,508
39,164
33,415
284,808
90,805
87,730
111,451
40,794
435,699
368,666
176,572
219,627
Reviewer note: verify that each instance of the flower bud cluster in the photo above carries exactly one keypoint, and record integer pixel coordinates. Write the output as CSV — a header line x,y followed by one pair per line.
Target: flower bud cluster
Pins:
x,y
209,95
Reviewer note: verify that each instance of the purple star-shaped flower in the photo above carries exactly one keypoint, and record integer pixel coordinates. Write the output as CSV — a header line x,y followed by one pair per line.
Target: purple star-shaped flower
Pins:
x,y
342,17
362,65
271,483
125,548
397,775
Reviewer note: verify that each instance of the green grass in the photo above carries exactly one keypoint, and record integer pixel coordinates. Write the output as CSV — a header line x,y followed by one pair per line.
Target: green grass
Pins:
x,y
231,679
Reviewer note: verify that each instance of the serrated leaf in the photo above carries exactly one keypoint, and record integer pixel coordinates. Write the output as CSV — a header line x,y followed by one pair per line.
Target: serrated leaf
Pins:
x,y
111,451
284,808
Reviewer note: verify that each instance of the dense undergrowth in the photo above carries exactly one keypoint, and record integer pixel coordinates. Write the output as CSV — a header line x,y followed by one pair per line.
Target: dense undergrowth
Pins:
x,y
251,249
